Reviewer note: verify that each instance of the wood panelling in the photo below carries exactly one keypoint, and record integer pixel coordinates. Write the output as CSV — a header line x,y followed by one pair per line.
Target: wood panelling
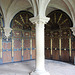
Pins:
x,y
47,54
73,55
65,55
73,44
55,55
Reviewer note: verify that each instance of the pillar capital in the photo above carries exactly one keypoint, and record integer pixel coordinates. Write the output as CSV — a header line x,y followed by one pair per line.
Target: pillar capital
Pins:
x,y
7,32
73,29
39,20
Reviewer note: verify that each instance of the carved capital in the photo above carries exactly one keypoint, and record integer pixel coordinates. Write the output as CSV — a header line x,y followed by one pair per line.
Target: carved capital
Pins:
x,y
7,32
73,29
39,20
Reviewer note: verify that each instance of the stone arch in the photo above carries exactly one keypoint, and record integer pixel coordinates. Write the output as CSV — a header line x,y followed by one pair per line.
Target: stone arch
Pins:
x,y
58,34
22,38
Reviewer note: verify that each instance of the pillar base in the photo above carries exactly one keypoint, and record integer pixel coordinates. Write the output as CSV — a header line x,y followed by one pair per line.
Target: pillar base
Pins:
x,y
39,73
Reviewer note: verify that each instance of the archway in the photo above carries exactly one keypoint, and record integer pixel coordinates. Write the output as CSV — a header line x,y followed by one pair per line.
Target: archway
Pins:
x,y
58,36
21,43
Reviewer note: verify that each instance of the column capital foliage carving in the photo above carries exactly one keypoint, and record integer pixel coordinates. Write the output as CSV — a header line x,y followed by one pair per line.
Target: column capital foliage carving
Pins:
x,y
73,29
7,32
39,20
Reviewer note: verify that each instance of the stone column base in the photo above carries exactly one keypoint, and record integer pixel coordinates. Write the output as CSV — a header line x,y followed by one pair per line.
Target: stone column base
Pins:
x,y
39,73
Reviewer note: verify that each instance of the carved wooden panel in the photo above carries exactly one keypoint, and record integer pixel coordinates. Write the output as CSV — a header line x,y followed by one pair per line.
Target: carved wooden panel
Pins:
x,y
65,43
73,55
65,33
65,55
55,34
73,44
47,54
55,54
55,42
47,42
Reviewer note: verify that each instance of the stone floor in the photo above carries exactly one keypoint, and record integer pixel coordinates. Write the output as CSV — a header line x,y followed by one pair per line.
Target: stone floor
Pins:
x,y
23,68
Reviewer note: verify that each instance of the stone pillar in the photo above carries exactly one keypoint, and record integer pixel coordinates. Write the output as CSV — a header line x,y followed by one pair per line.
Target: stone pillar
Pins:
x,y
40,56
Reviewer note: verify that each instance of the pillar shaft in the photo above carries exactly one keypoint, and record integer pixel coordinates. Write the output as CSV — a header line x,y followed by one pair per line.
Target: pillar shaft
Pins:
x,y
40,46
40,57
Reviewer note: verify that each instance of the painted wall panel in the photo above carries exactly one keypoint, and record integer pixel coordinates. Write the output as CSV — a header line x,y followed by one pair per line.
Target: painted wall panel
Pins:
x,y
6,56
33,54
17,33
17,49
17,55
17,43
33,43
6,45
26,55
26,43
26,34
33,48
21,43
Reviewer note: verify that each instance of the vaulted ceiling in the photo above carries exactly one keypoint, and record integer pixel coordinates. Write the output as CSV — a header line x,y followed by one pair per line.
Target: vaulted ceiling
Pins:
x,y
9,8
